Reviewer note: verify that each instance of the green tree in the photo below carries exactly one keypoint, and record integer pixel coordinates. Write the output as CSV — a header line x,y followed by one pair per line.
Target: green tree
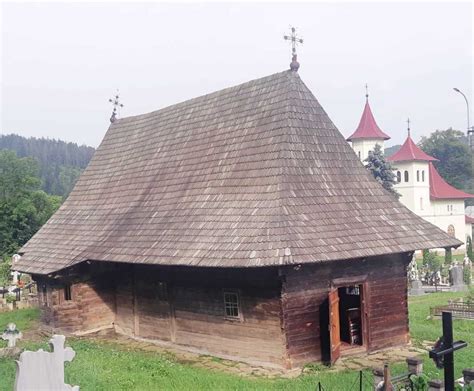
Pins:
x,y
23,207
451,148
381,169
448,256
469,252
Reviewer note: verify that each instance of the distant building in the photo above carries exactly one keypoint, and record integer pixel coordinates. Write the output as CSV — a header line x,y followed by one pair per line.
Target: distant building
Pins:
x,y
367,134
422,189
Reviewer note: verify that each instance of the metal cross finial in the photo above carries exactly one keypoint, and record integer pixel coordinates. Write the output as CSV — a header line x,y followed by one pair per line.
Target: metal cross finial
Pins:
x,y
116,104
408,127
366,91
294,40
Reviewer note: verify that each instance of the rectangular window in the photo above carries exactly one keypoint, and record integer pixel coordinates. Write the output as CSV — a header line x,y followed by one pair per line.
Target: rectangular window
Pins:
x,y
162,291
232,305
44,294
67,292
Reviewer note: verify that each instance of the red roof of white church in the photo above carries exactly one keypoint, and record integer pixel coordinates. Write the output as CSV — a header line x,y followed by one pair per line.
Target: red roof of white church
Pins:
x,y
440,189
368,128
410,151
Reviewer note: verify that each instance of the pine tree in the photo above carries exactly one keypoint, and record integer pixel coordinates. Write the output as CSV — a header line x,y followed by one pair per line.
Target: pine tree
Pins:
x,y
381,169
470,254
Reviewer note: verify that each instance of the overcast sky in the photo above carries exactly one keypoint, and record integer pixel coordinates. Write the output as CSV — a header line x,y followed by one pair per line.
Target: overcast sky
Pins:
x,y
61,62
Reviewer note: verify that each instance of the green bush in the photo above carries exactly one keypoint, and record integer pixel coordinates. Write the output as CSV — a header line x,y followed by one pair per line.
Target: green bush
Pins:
x,y
448,256
4,272
432,261
469,248
467,275
10,298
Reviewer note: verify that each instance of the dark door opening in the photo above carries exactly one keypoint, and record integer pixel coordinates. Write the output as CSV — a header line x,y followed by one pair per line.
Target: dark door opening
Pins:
x,y
349,327
350,315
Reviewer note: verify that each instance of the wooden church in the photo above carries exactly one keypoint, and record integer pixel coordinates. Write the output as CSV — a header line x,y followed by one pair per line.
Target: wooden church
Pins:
x,y
238,224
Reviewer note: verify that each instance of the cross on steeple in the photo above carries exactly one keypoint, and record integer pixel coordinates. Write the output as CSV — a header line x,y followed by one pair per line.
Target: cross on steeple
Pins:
x,y
366,91
294,40
408,126
116,104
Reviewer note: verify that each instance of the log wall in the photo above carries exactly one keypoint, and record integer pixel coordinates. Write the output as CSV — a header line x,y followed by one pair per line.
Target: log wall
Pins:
x,y
280,308
305,289
187,307
92,305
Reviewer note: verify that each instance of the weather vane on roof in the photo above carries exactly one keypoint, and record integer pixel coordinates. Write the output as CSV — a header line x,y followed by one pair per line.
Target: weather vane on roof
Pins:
x,y
366,91
408,126
116,104
294,40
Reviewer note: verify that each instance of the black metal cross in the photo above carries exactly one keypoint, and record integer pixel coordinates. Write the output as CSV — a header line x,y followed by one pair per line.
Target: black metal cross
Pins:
x,y
442,352
408,126
115,103
294,39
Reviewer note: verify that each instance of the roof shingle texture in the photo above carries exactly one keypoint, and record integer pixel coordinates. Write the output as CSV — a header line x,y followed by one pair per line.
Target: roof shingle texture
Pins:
x,y
253,175
409,151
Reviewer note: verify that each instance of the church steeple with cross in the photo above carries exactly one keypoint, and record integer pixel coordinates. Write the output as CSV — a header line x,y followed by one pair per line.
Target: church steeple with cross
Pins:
x,y
368,133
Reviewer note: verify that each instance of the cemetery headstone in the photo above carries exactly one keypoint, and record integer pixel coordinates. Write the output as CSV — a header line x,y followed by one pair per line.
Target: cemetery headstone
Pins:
x,y
456,278
44,370
11,334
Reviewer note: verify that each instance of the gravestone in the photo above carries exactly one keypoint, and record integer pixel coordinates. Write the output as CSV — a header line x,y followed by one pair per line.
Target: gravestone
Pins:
x,y
44,370
416,288
11,334
457,280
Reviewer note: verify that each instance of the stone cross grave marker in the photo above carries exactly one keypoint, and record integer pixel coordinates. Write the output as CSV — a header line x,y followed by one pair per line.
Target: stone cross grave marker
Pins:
x,y
11,334
44,370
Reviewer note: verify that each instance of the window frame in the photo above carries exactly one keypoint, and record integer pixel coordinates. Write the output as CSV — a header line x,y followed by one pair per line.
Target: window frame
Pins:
x,y
236,293
67,292
406,176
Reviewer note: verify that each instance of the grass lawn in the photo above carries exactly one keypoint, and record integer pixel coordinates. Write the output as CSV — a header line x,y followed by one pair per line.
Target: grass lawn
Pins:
x,y
105,366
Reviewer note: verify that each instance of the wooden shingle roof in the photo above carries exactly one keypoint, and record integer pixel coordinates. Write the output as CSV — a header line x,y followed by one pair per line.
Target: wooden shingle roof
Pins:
x,y
253,175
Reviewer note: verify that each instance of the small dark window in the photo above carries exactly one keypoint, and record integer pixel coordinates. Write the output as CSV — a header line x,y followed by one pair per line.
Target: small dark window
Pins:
x,y
162,291
232,305
399,176
417,175
423,175
67,292
44,294
359,154
406,176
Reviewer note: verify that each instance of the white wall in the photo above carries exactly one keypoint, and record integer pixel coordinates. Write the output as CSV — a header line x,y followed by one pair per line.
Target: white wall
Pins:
x,y
415,194
362,147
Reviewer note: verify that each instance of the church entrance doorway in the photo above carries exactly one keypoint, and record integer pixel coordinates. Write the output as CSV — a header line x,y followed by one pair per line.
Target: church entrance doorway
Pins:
x,y
341,322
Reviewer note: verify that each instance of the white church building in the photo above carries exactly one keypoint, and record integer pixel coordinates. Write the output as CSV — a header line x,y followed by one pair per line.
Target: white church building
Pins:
x,y
421,187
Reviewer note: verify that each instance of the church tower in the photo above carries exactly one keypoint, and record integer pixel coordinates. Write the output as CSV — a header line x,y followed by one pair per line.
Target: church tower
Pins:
x,y
426,193
367,134
411,166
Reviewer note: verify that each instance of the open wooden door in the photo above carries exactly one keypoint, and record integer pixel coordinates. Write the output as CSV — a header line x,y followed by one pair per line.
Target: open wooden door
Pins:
x,y
334,325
